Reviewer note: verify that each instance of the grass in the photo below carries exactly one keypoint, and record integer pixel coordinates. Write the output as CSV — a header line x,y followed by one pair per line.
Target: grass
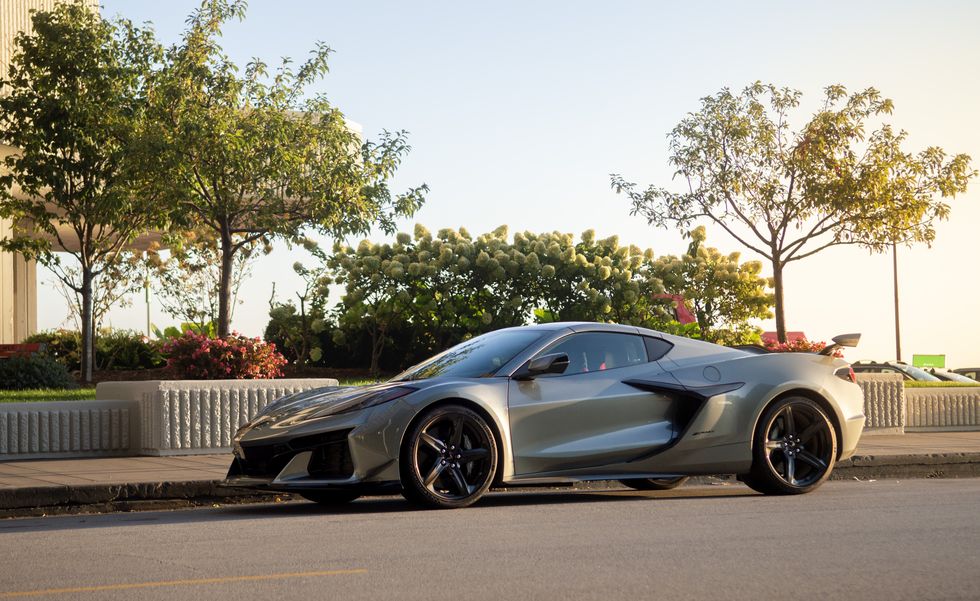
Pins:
x,y
88,394
30,396
358,381
918,384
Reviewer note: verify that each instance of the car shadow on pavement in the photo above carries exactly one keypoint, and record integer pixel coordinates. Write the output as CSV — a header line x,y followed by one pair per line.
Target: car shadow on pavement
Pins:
x,y
365,506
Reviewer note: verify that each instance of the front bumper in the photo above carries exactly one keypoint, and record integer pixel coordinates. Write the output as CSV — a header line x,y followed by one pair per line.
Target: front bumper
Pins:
x,y
356,450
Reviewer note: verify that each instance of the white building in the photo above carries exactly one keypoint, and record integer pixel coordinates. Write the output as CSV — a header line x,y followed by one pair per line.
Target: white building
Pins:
x,y
18,278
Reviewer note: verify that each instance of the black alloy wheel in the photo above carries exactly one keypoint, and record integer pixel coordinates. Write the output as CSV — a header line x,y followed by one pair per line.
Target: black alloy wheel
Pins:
x,y
449,458
654,483
795,448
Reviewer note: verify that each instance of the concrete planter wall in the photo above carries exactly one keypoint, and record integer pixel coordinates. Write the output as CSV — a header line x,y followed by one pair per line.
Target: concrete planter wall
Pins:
x,y
884,403
67,429
148,418
180,417
933,409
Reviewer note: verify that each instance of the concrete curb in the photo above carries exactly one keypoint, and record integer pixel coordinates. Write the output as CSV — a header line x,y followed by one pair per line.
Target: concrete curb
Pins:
x,y
938,465
97,498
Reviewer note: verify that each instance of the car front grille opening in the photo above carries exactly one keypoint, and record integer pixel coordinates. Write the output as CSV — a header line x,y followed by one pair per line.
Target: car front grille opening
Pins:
x,y
265,461
331,458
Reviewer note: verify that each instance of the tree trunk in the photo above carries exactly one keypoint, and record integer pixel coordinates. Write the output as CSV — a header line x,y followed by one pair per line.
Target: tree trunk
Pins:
x,y
777,280
88,328
377,346
224,283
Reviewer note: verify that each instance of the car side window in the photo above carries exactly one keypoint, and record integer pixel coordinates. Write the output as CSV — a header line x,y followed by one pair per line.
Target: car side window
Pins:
x,y
656,347
599,351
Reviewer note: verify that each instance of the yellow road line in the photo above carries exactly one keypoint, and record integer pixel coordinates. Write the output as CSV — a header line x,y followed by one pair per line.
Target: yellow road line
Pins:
x,y
220,580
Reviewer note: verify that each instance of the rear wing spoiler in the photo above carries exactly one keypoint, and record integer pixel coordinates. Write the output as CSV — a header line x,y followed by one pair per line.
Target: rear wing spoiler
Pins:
x,y
844,340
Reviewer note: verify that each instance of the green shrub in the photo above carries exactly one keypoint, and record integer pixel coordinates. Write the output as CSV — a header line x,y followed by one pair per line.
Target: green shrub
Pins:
x,y
63,345
126,349
38,371
114,349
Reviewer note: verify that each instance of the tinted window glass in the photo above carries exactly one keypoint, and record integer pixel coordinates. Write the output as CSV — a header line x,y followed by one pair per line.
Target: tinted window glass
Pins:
x,y
598,351
656,347
475,358
918,374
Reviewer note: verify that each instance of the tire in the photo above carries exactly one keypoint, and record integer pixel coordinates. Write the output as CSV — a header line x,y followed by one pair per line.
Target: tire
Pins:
x,y
330,498
449,458
794,448
655,483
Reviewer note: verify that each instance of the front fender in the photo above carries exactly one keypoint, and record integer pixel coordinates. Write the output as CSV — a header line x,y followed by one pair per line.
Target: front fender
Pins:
x,y
487,395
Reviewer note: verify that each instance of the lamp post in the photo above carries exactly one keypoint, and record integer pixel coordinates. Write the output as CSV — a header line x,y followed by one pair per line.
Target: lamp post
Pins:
x,y
898,330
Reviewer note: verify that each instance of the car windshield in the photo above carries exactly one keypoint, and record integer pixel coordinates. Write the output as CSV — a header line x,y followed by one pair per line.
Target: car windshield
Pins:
x,y
919,374
476,358
943,374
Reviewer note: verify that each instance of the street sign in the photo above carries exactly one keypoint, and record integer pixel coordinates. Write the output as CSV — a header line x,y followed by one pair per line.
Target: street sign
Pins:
x,y
929,361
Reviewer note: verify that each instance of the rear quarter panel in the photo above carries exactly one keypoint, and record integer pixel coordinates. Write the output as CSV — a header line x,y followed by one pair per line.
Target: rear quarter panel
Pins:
x,y
722,432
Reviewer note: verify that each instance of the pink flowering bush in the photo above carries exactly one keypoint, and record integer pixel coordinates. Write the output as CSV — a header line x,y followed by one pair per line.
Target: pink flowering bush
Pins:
x,y
235,357
800,345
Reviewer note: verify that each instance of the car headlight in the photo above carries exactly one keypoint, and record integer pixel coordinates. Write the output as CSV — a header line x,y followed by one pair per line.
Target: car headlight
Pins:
x,y
363,401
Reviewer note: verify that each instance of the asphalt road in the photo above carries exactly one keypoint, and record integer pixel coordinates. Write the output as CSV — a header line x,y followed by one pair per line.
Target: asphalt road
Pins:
x,y
916,539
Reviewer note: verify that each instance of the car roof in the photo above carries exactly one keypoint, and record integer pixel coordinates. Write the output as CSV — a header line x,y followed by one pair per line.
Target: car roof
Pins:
x,y
587,326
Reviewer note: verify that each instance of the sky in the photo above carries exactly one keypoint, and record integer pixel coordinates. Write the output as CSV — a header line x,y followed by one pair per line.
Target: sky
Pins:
x,y
519,111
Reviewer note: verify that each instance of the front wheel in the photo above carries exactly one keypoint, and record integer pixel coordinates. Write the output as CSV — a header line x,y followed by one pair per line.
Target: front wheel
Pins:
x,y
654,483
794,448
449,458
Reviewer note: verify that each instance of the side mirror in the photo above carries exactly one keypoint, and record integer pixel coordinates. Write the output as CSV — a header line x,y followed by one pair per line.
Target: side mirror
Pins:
x,y
555,363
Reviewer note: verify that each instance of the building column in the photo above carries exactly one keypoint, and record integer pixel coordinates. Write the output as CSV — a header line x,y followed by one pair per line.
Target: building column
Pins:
x,y
6,290
25,297
18,294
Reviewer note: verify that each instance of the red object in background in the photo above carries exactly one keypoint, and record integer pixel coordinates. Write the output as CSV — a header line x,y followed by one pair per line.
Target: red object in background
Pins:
x,y
681,312
773,338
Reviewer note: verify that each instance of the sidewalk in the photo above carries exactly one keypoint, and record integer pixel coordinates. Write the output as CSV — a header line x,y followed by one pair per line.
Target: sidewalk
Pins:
x,y
119,482
919,443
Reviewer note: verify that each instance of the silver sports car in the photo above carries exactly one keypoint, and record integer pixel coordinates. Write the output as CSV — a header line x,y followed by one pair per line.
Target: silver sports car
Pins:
x,y
559,403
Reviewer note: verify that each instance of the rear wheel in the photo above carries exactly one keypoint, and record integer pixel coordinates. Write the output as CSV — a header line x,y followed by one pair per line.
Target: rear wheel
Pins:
x,y
449,458
654,483
330,498
794,450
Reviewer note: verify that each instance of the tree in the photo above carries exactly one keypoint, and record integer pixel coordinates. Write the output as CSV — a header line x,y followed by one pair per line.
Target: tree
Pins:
x,y
72,105
788,195
419,295
252,156
298,325
591,280
723,293
120,277
187,279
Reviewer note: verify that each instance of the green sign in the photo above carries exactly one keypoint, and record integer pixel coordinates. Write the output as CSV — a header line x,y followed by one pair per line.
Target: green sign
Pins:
x,y
929,360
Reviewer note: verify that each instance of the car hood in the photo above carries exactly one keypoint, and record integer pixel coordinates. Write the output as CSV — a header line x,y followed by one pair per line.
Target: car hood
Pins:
x,y
317,401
